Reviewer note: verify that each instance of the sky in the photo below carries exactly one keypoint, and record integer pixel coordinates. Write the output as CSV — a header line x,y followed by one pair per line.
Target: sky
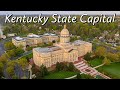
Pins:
x,y
60,12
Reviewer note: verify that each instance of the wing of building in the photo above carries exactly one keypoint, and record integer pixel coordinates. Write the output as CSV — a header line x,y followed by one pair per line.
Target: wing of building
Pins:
x,y
63,51
33,39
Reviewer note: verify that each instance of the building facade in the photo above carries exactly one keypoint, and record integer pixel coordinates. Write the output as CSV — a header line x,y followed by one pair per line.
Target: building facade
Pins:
x,y
63,51
33,40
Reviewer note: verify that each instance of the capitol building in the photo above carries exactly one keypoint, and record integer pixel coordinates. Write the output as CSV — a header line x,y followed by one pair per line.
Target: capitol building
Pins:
x,y
64,51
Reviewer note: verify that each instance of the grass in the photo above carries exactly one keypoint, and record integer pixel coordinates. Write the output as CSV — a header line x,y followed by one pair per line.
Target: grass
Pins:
x,y
60,75
112,70
95,62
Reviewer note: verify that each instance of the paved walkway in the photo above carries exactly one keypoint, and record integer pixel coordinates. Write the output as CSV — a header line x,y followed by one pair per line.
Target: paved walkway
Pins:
x,y
99,66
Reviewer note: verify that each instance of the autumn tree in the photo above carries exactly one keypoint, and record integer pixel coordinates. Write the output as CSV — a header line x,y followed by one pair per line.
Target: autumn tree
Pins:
x,y
113,57
100,52
106,61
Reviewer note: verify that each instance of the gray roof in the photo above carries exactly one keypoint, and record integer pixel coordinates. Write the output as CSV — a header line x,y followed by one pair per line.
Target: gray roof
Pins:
x,y
79,42
47,49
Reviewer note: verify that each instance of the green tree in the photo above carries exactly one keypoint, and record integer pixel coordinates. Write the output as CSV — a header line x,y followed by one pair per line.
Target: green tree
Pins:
x,y
42,72
11,53
71,67
10,70
19,51
1,69
9,45
11,63
85,76
38,75
4,58
45,70
87,56
23,63
78,76
29,48
58,66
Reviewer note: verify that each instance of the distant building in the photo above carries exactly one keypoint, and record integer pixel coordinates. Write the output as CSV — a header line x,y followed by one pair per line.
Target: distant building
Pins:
x,y
62,51
1,34
33,39
11,34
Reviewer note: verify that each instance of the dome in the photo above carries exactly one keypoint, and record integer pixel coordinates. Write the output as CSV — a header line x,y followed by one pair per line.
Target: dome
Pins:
x,y
64,32
64,36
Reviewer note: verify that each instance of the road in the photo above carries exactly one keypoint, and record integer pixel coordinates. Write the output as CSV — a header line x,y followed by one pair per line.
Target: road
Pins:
x,y
1,48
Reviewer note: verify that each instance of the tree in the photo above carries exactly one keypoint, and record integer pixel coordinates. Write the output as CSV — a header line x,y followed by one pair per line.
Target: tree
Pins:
x,y
78,76
87,56
118,55
34,69
58,66
85,76
106,61
38,75
10,70
23,63
11,53
71,67
19,51
42,72
9,45
101,52
11,63
45,71
118,48
1,70
4,58
113,57
29,48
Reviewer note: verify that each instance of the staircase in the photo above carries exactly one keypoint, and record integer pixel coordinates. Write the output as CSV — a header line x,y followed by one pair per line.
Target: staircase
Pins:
x,y
83,67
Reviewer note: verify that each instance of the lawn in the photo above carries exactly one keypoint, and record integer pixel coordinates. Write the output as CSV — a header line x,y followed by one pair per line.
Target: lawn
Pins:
x,y
60,75
95,62
113,70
